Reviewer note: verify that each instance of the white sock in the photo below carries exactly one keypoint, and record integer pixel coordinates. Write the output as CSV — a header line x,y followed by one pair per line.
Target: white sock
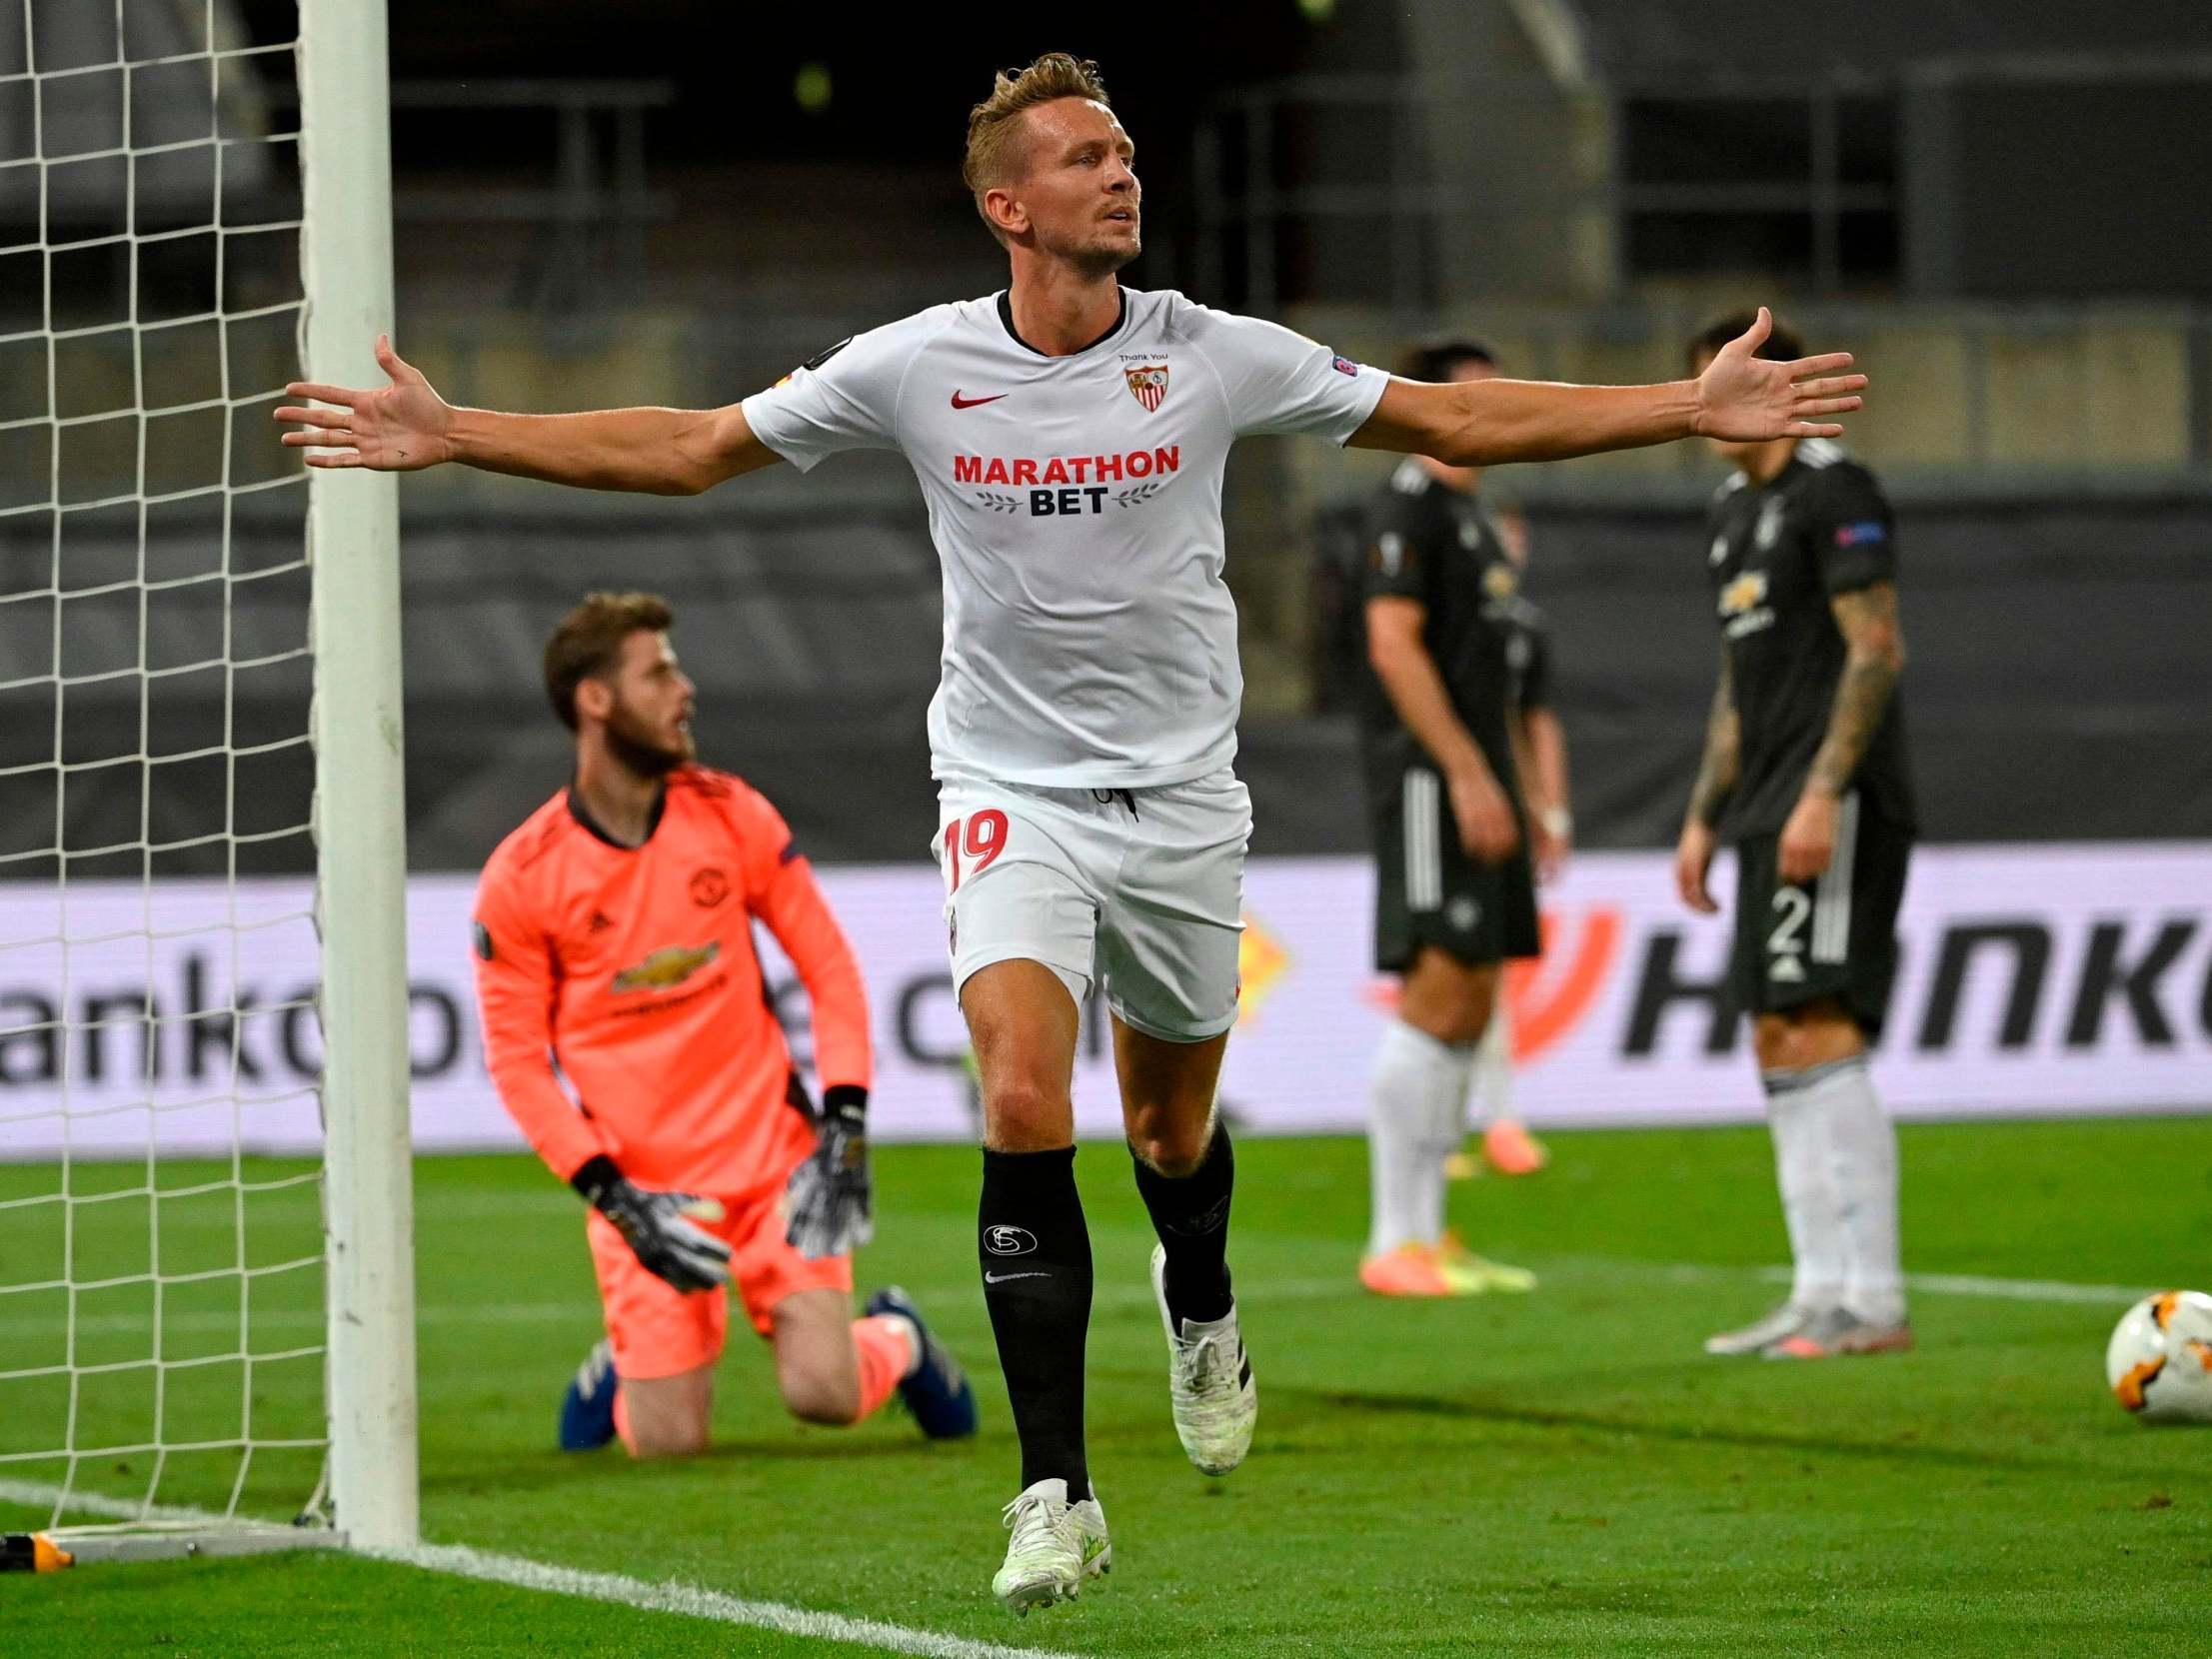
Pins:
x,y
1862,1162
1417,1104
1391,1140
1811,1205
1494,1070
1446,1128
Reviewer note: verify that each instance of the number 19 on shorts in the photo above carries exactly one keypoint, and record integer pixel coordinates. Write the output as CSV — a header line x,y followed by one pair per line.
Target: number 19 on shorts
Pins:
x,y
978,838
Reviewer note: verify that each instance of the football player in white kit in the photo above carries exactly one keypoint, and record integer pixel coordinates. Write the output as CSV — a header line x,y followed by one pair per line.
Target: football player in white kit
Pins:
x,y
1068,435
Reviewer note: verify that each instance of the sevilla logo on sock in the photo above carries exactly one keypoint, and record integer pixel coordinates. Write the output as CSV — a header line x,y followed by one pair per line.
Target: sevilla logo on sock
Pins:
x,y
1002,1241
1211,1219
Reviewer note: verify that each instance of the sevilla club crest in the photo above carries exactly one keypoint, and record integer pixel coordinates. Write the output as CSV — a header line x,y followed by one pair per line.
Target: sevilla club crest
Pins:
x,y
1149,385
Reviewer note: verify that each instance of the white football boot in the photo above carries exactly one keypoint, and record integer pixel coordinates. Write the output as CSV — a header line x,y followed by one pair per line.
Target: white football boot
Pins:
x,y
1840,1331
1055,1546
1781,1324
1210,1385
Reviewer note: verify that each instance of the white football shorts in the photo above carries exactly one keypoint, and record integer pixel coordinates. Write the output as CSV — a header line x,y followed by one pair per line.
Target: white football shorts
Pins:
x,y
1141,888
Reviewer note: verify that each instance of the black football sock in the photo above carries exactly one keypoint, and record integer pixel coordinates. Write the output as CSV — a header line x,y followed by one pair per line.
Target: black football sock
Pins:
x,y
1191,1218
1035,1255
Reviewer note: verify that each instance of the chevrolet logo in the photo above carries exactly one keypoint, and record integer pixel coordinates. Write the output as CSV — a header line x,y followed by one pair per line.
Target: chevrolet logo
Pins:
x,y
1743,594
666,967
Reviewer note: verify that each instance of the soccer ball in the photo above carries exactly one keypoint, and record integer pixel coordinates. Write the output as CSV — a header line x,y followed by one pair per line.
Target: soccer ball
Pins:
x,y
2159,1361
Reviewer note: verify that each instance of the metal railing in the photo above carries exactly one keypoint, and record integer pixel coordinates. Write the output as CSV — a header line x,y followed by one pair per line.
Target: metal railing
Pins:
x,y
590,216
1246,205
1974,399
587,221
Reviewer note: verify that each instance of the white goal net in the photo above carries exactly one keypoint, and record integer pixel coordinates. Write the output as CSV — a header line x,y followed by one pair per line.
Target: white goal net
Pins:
x,y
173,1217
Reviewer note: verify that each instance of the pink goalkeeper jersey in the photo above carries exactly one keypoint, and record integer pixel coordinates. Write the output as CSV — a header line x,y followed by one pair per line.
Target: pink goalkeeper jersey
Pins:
x,y
635,967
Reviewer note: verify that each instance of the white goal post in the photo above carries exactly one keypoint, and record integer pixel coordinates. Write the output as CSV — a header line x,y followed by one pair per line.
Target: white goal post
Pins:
x,y
360,818
207,1321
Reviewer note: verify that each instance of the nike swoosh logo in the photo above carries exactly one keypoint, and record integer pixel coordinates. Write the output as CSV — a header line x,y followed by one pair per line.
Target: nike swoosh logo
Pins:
x,y
1000,1278
960,402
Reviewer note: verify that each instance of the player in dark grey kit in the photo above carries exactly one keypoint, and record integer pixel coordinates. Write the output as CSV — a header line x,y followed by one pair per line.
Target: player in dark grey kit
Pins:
x,y
1804,772
1455,896
1540,746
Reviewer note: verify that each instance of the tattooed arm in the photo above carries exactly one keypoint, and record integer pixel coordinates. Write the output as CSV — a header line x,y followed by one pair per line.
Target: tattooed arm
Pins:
x,y
1716,780
1874,647
1716,772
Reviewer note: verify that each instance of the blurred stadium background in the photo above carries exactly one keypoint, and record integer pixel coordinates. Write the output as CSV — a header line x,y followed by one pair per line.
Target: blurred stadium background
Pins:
x,y
1993,205
1985,202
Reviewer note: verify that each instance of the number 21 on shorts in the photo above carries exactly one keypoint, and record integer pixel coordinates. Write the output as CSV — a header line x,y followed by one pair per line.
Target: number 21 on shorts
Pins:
x,y
980,838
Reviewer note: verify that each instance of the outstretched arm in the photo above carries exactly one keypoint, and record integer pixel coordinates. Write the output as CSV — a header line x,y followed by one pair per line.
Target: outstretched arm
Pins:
x,y
407,425
1740,397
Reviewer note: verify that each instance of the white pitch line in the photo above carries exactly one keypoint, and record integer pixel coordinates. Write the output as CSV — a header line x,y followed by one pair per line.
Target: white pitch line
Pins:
x,y
39,1494
584,1314
691,1602
2019,1291
686,1600
1118,1297
1973,1285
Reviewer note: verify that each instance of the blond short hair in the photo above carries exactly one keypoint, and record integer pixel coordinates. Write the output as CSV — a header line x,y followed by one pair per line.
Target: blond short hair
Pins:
x,y
996,154
588,642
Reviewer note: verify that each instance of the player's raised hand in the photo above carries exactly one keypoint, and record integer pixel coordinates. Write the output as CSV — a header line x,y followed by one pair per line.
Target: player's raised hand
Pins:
x,y
390,429
662,1228
831,1196
1747,399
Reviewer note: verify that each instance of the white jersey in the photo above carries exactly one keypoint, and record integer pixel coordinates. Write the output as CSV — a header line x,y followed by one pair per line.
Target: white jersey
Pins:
x,y
1075,505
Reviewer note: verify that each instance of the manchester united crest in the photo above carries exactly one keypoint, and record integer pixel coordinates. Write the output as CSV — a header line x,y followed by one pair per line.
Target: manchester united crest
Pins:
x,y
1147,383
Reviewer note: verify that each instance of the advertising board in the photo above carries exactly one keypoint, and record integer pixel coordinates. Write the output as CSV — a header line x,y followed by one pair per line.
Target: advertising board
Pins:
x,y
2037,979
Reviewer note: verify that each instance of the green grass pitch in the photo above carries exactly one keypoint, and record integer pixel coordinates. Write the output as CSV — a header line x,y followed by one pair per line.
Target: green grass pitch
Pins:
x,y
1557,1474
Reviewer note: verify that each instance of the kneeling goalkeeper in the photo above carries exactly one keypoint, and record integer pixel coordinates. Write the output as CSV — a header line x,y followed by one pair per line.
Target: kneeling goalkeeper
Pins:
x,y
614,934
